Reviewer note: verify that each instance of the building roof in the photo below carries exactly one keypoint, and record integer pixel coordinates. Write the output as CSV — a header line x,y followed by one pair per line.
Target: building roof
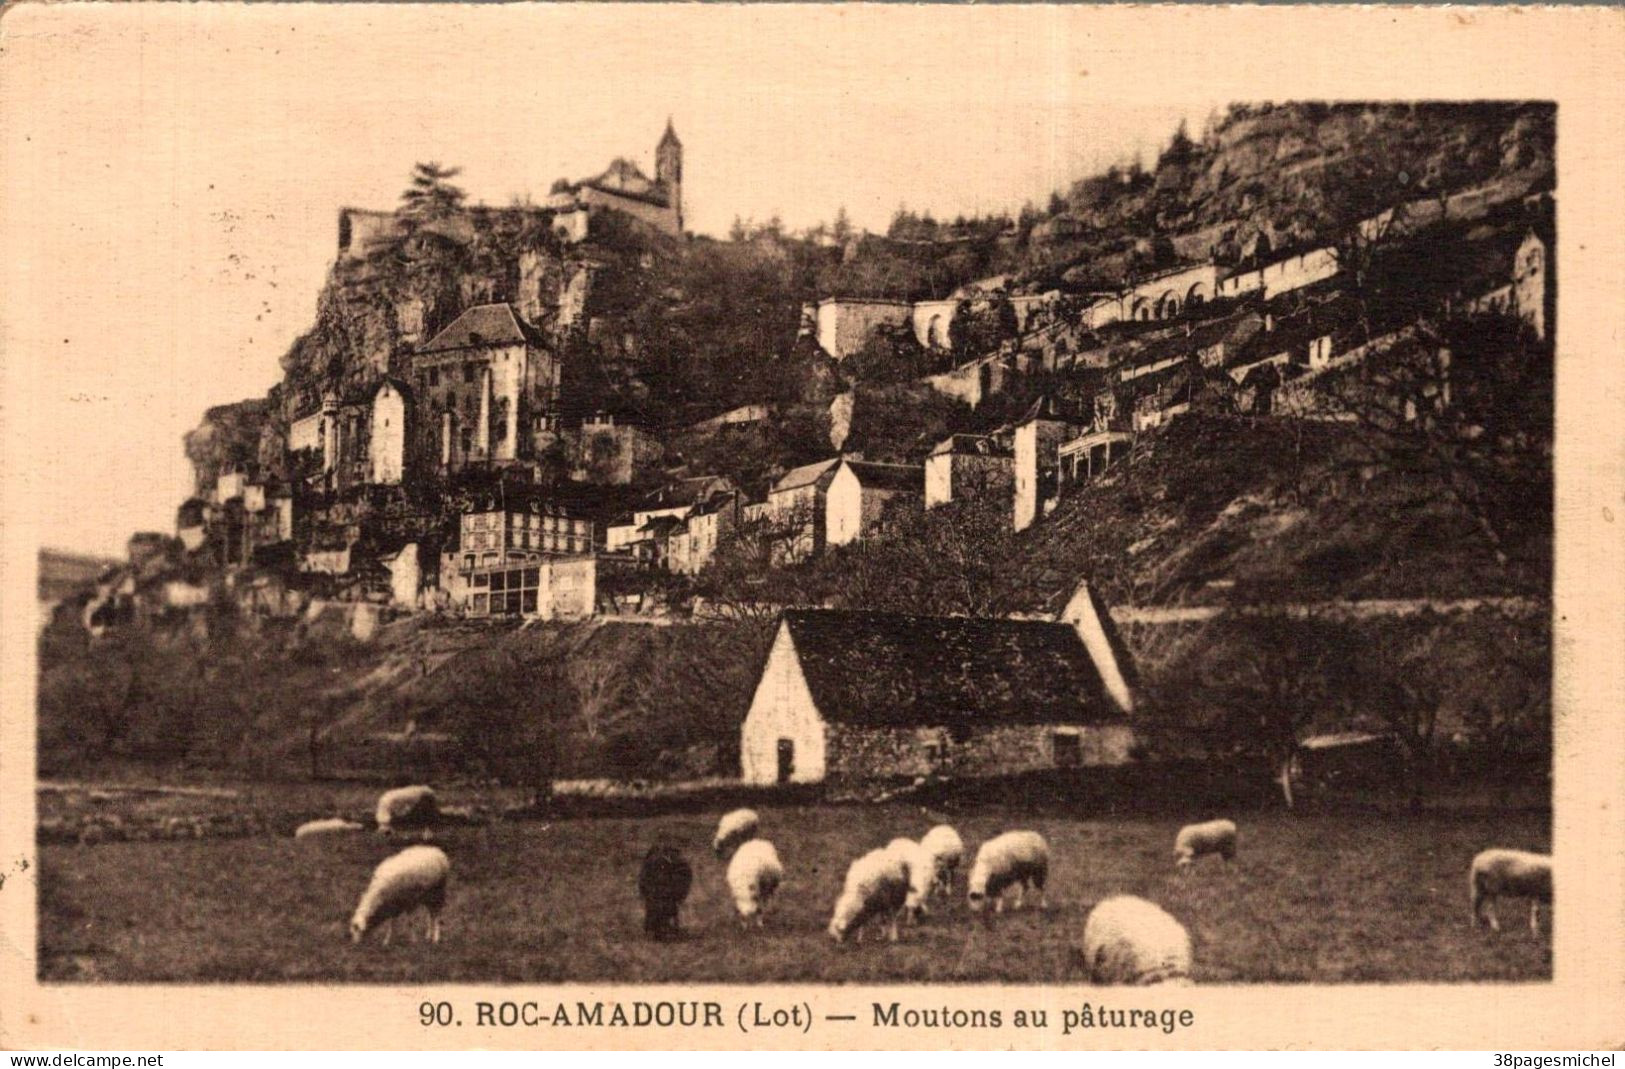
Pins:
x,y
661,526
482,326
896,478
805,475
1293,333
1055,409
971,445
398,385
687,491
891,669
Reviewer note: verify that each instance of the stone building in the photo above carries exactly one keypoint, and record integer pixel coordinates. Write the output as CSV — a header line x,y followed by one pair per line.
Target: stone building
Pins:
x,y
623,187
863,697
968,466
798,500
860,491
391,405
1038,438
486,387
605,451
845,324
521,562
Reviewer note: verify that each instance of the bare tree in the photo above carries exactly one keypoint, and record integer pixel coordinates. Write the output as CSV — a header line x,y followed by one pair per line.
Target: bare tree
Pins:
x,y
1255,686
1468,403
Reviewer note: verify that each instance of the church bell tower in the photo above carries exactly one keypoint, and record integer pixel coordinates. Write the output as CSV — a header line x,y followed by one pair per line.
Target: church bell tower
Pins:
x,y
669,170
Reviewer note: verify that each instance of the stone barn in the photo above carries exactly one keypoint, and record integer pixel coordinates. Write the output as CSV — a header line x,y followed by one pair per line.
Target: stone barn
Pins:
x,y
848,696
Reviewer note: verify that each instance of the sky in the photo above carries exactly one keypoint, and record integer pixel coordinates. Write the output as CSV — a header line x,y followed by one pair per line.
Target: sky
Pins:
x,y
171,175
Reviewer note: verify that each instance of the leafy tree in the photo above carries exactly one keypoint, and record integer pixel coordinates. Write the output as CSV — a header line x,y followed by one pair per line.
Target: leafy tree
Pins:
x,y
431,194
891,355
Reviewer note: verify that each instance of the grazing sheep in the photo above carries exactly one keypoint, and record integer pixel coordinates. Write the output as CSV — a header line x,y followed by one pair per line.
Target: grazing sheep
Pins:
x,y
1509,874
1210,837
920,871
310,829
754,875
407,807
947,850
1127,940
1016,857
734,828
663,884
400,884
877,886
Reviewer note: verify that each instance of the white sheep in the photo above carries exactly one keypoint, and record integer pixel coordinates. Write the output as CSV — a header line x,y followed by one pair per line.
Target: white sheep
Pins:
x,y
947,851
1509,873
877,886
919,870
753,876
734,828
1014,858
1127,940
406,807
1209,837
400,884
326,826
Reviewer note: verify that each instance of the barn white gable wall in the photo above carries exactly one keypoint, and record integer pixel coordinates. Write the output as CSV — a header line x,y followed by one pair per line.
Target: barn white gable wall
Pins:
x,y
782,708
1080,613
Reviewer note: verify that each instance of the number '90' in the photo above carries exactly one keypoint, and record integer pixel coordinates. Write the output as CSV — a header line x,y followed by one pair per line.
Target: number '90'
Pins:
x,y
435,1014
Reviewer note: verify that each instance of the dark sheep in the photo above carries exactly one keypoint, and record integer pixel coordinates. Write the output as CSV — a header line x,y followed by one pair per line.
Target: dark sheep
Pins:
x,y
663,884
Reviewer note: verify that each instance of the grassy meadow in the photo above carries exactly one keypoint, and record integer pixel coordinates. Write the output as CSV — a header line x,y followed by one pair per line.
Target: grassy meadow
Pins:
x,y
1321,897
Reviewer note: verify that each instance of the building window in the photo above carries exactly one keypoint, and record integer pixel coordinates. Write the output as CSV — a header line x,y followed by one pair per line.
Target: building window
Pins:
x,y
468,562
434,376
1068,749
479,607
482,579
468,372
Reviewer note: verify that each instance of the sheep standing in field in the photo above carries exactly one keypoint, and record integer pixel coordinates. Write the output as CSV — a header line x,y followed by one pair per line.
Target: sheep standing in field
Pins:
x,y
407,807
1509,874
919,869
754,874
311,829
1127,940
1014,858
400,884
1209,837
947,850
663,884
877,886
739,826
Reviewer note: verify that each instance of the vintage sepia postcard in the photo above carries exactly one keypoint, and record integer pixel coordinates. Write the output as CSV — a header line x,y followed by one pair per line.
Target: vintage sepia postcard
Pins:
x,y
821,526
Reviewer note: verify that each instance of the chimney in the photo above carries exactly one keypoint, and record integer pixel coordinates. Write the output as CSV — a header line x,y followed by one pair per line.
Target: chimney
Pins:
x,y
1088,617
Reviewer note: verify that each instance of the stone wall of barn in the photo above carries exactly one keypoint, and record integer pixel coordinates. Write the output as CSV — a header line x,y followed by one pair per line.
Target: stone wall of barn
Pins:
x,y
859,752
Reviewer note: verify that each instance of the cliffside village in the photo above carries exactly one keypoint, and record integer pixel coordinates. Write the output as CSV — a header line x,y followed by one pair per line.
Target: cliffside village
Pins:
x,y
474,407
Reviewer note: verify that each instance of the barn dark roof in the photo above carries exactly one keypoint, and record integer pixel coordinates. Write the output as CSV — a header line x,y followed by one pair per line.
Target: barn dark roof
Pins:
x,y
892,669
